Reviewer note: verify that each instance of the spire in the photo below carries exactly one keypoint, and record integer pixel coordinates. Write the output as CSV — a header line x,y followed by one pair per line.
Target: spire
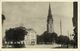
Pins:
x,y
60,27
49,11
49,21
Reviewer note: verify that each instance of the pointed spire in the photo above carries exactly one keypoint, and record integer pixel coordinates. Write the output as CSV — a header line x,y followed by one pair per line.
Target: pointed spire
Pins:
x,y
49,11
49,21
60,27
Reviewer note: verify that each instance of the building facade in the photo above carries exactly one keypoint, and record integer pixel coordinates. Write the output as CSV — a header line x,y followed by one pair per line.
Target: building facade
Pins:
x,y
30,38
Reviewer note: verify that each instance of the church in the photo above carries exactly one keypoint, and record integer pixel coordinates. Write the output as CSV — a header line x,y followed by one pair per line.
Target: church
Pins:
x,y
49,21
49,36
32,38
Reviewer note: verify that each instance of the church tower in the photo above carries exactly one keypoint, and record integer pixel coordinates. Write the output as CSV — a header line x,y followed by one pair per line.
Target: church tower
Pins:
x,y
49,21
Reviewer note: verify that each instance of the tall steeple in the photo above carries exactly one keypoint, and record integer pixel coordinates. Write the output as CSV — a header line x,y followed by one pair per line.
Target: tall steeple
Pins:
x,y
49,21
60,27
49,12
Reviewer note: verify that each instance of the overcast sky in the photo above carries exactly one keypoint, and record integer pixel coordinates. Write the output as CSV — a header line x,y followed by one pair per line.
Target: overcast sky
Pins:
x,y
34,15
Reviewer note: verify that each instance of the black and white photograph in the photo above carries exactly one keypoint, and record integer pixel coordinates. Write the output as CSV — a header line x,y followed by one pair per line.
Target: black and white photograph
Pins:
x,y
39,25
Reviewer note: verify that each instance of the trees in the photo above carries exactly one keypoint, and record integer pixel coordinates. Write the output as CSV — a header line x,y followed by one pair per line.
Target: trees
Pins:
x,y
15,35
64,40
75,37
75,23
49,38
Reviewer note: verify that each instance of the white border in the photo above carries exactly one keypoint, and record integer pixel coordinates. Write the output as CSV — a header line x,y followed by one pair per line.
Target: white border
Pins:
x,y
38,49
41,0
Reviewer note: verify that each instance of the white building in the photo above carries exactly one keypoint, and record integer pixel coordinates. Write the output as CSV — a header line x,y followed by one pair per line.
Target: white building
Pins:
x,y
30,38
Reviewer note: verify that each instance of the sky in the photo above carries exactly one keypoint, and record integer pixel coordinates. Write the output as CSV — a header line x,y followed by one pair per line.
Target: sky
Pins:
x,y
34,15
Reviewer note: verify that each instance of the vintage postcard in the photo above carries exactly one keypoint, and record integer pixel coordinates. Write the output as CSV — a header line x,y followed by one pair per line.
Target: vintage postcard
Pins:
x,y
42,25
